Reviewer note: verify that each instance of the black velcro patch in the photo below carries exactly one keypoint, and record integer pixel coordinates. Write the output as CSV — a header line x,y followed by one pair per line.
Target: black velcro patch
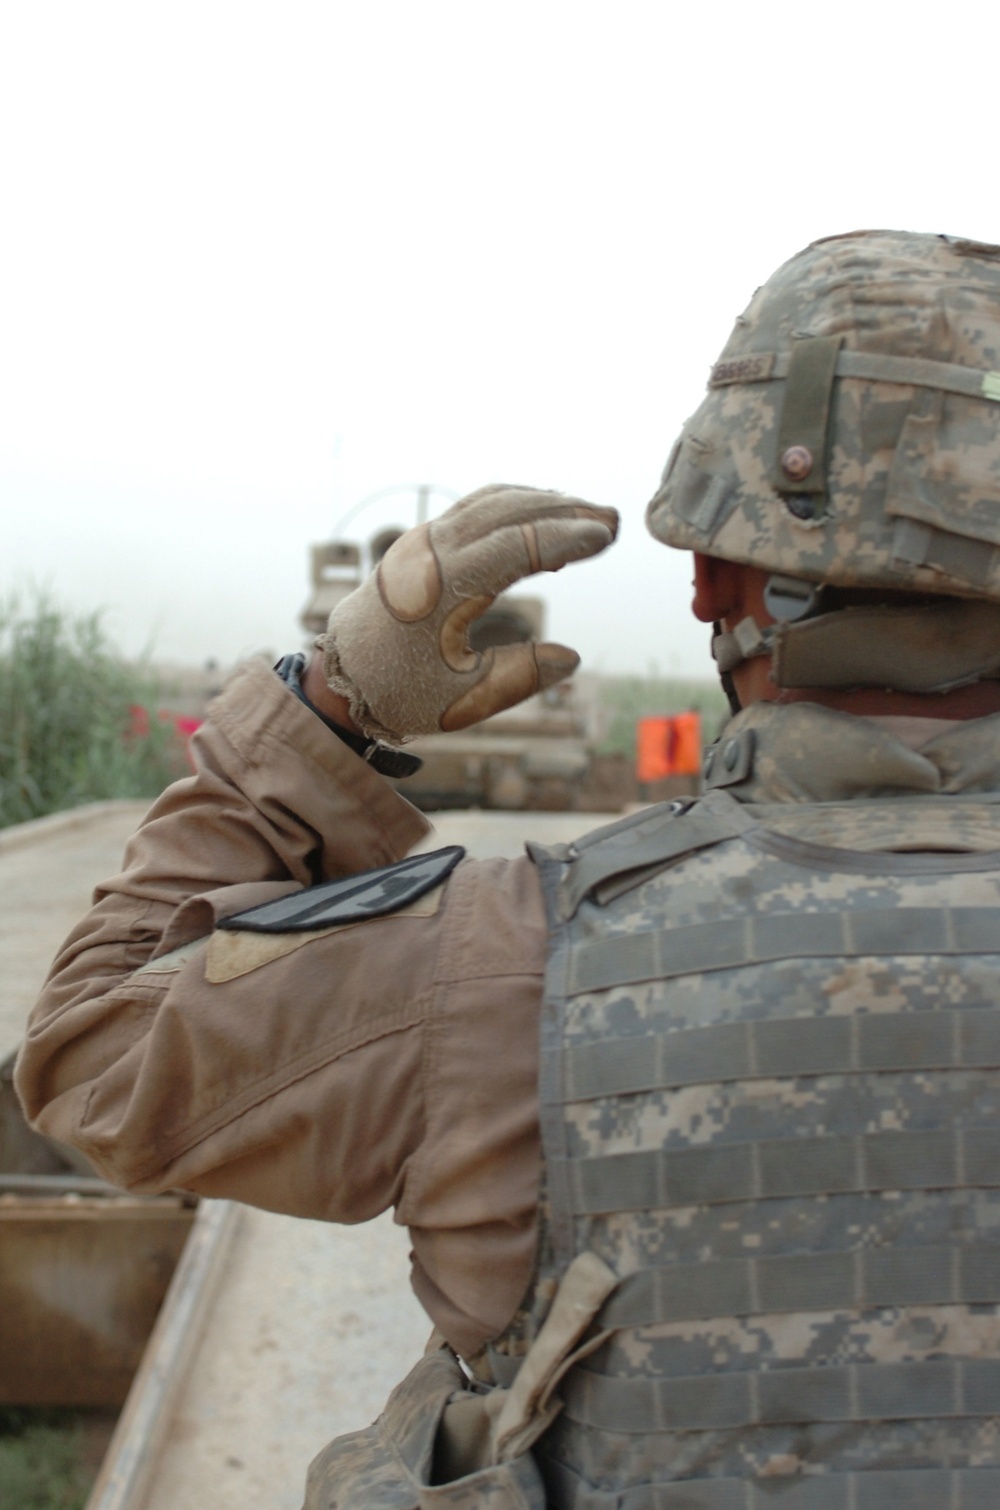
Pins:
x,y
371,894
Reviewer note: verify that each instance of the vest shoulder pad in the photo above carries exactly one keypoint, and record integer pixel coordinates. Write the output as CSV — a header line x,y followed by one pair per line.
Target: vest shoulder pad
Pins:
x,y
640,844
351,899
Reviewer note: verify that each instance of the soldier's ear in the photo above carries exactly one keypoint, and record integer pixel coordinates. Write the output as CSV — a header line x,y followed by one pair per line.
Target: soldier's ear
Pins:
x,y
718,588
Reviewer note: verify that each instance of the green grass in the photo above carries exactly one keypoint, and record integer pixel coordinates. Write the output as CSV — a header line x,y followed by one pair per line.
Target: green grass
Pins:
x,y
42,1461
66,698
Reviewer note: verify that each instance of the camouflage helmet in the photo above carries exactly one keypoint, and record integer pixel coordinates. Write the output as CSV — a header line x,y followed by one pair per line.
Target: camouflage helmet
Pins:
x,y
850,438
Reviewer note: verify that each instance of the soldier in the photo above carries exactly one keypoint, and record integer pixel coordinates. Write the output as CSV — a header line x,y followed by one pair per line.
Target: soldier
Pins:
x,y
759,1032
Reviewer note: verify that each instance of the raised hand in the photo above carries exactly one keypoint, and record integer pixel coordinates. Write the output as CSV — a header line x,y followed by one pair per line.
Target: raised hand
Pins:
x,y
398,647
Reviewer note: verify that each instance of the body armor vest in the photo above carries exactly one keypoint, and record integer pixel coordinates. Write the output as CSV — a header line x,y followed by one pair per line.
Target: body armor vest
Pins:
x,y
771,1105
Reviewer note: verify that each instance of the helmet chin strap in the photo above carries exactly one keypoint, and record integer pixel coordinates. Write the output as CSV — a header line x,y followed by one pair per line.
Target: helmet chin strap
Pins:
x,y
786,599
925,647
725,677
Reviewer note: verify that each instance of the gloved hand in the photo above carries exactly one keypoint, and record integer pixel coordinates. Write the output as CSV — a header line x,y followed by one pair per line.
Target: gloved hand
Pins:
x,y
398,648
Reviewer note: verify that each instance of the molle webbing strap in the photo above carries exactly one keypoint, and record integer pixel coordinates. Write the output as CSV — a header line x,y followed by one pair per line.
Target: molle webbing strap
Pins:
x,y
627,849
805,415
881,1489
868,366
755,1049
937,1389
806,1282
731,944
715,1174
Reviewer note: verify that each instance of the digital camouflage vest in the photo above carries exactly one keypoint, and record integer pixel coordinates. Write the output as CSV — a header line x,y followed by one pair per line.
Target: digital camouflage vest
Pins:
x,y
771,1105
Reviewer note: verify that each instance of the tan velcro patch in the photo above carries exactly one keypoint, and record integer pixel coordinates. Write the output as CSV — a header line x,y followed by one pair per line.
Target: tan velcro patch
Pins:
x,y
232,953
168,963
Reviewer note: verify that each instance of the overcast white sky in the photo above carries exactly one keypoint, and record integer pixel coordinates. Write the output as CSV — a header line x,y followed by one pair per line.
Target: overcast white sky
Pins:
x,y
261,260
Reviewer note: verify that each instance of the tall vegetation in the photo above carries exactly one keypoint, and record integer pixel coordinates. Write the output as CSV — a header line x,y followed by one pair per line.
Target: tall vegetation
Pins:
x,y
626,699
68,731
42,1464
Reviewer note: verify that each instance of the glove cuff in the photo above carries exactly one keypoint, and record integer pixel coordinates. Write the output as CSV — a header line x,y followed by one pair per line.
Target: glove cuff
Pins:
x,y
338,681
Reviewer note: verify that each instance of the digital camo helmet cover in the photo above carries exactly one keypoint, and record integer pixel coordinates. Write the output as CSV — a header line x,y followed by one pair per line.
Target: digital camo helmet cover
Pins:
x,y
851,430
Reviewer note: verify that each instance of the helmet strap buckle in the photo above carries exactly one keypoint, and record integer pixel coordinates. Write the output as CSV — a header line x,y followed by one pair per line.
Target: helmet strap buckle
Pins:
x,y
789,599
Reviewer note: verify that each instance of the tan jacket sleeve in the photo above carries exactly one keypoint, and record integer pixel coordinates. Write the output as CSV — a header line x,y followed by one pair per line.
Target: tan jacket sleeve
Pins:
x,y
330,1074
136,1069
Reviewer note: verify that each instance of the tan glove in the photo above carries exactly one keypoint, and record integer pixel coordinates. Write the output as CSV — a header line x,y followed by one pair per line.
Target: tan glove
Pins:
x,y
398,648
